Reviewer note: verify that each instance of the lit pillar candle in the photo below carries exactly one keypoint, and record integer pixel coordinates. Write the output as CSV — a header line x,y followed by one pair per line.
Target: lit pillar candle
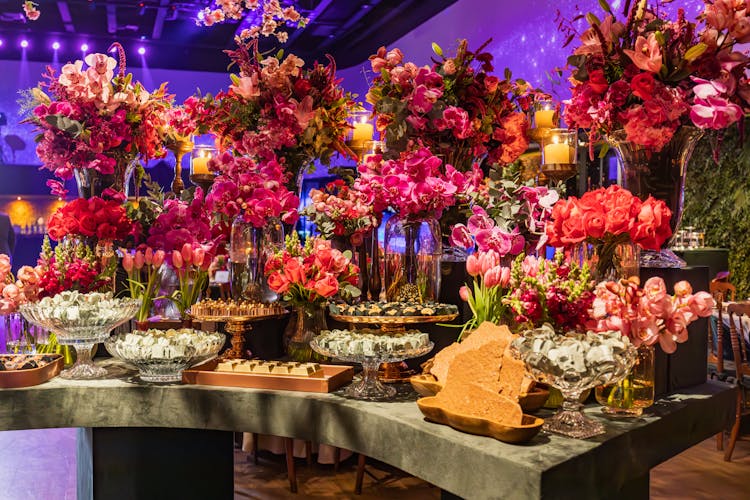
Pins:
x,y
362,133
556,153
200,165
545,118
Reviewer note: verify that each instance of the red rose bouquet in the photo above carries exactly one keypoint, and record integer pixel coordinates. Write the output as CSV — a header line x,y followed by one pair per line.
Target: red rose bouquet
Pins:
x,y
455,107
91,119
339,210
649,315
311,273
648,75
606,218
103,219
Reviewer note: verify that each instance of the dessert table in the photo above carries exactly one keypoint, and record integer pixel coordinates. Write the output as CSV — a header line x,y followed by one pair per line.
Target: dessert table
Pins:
x,y
175,441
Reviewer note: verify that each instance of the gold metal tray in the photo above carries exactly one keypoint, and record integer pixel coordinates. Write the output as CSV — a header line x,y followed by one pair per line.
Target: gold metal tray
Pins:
x,y
333,377
530,425
239,319
33,376
393,320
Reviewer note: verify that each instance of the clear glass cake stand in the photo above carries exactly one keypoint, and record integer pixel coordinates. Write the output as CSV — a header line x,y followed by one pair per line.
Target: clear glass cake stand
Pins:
x,y
369,387
82,334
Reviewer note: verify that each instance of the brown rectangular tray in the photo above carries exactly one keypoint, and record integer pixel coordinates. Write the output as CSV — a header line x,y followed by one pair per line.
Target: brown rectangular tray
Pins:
x,y
334,376
11,379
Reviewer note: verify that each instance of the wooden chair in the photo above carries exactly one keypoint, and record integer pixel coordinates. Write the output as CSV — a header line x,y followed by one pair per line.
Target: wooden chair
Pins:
x,y
742,368
722,291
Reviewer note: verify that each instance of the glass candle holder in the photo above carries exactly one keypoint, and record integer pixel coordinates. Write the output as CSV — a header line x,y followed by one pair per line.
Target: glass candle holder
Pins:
x,y
373,148
561,148
361,132
545,115
199,171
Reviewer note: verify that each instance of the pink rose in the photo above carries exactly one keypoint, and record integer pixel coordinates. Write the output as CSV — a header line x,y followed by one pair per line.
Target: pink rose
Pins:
x,y
683,289
293,271
4,266
278,282
327,287
11,292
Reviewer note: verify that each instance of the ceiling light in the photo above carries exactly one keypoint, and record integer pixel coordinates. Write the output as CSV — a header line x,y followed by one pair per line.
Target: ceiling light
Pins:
x,y
55,45
84,47
24,43
141,50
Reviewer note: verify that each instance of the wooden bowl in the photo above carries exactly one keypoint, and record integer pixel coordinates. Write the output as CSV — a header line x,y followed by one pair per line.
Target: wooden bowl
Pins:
x,y
530,425
425,384
534,400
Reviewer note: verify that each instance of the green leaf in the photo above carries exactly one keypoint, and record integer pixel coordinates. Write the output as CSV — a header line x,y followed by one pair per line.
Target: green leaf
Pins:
x,y
592,19
605,149
280,54
695,51
659,36
605,6
436,49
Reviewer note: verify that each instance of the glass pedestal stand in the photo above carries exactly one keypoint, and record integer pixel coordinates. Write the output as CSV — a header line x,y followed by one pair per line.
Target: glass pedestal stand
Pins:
x,y
392,372
84,367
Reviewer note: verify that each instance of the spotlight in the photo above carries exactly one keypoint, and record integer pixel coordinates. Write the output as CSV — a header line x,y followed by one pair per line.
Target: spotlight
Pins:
x,y
55,45
85,47
24,44
1,42
141,50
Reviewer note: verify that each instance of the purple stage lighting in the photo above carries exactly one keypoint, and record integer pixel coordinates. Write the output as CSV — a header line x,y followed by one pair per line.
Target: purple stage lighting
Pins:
x,y
85,47
55,45
1,43
141,50
24,43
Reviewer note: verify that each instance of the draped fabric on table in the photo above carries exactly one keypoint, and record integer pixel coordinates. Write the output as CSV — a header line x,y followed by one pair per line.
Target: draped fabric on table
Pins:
x,y
275,444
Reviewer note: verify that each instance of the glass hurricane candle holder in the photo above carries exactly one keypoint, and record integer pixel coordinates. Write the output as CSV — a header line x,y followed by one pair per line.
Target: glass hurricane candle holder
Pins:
x,y
199,172
560,154
545,115
361,132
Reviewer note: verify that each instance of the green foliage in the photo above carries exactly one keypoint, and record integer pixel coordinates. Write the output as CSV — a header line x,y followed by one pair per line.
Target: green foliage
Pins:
x,y
717,200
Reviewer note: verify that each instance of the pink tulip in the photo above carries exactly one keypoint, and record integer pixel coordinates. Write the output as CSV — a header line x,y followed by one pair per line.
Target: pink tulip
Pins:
x,y
139,260
177,261
187,253
473,267
492,277
158,258
199,254
149,255
464,293
488,260
505,277
127,262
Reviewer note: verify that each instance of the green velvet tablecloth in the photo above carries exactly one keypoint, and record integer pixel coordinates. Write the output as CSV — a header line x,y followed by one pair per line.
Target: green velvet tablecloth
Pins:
x,y
549,466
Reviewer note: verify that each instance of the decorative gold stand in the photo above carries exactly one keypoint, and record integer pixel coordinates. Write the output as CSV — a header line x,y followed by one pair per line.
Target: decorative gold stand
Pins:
x,y
180,148
559,172
203,180
237,327
393,372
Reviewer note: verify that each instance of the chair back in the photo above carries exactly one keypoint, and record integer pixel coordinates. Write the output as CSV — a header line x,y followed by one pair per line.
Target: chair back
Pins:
x,y
737,334
722,291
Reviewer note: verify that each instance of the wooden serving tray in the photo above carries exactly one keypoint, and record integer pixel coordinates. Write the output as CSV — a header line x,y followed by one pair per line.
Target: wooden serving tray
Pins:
x,y
334,376
11,379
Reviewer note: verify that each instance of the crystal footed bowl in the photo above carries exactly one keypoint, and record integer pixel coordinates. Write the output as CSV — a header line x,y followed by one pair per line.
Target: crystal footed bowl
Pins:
x,y
371,350
574,362
162,355
81,320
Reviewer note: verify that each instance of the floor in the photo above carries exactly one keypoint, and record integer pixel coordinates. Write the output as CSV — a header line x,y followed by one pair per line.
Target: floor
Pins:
x,y
40,464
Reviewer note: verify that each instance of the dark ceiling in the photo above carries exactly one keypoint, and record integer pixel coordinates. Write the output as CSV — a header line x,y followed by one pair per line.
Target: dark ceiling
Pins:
x,y
350,30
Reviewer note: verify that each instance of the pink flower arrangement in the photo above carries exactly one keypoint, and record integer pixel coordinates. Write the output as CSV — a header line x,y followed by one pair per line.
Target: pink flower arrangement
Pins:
x,y
276,110
257,191
507,217
490,283
273,17
649,315
311,273
103,219
180,223
144,275
650,75
191,263
455,107
607,217
72,266
416,184
339,210
17,290
92,119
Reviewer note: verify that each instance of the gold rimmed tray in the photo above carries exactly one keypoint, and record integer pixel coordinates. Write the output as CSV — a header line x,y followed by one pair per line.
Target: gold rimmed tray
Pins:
x,y
393,320
530,425
240,318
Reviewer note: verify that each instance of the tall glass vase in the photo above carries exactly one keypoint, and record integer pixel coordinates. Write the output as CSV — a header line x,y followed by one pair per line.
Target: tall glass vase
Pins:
x,y
634,393
413,249
92,183
307,322
249,249
609,261
659,174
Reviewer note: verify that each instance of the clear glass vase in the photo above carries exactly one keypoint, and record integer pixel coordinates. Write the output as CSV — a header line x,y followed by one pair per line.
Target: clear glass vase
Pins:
x,y
307,322
249,249
609,261
21,337
631,395
413,249
661,175
92,183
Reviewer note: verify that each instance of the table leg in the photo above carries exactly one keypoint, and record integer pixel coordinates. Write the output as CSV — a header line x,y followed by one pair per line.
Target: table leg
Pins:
x,y
119,463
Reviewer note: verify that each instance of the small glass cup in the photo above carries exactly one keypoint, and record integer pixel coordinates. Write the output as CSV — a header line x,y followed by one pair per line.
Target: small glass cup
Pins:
x,y
200,174
361,132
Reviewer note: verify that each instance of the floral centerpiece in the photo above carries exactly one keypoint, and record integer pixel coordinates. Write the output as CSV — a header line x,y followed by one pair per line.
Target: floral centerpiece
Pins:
x,y
276,110
72,265
144,276
101,219
507,216
648,75
191,264
490,284
306,276
608,218
95,121
273,17
647,316
338,211
455,107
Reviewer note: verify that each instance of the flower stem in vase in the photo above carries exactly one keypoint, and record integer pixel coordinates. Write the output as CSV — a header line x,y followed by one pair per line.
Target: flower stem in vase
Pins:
x,y
375,285
362,261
